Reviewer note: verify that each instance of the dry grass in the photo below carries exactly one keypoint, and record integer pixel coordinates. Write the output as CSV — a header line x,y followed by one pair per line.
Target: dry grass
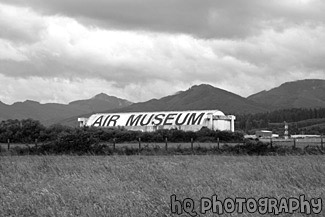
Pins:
x,y
142,185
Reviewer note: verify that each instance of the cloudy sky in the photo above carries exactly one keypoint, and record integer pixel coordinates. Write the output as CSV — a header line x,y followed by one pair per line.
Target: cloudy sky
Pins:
x,y
64,50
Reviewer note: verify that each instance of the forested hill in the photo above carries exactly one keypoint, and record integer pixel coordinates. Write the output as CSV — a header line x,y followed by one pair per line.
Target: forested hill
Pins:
x,y
308,93
301,120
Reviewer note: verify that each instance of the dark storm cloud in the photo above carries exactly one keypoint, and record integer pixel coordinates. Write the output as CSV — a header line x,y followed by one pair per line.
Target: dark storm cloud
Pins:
x,y
202,18
152,48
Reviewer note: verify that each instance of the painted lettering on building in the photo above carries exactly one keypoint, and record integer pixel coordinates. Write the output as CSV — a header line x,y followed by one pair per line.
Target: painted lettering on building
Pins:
x,y
147,119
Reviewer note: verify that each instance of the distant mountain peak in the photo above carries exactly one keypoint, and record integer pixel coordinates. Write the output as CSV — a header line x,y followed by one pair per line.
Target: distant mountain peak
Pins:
x,y
197,97
31,102
202,86
111,99
102,96
305,81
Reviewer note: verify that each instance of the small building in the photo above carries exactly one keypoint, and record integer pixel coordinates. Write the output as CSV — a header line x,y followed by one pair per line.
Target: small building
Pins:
x,y
152,121
250,136
263,134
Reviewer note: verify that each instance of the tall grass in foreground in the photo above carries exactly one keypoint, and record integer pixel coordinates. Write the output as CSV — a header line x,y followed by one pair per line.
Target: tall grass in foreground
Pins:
x,y
142,185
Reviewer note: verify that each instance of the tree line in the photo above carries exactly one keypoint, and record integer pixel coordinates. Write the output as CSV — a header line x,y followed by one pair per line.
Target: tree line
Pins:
x,y
29,131
308,121
299,119
58,139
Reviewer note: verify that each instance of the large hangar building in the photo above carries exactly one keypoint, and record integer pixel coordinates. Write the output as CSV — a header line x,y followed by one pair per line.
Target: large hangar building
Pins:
x,y
152,121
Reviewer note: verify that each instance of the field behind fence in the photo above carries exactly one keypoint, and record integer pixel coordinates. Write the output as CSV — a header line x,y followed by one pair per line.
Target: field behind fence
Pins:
x,y
296,142
299,143
140,145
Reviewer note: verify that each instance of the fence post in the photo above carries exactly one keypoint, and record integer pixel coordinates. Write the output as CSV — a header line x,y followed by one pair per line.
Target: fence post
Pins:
x,y
139,144
192,147
166,143
322,142
114,140
218,140
271,142
294,142
8,143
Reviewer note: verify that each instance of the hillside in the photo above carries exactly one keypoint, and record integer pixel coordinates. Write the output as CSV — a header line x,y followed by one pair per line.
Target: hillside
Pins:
x,y
50,113
298,94
309,93
100,102
198,97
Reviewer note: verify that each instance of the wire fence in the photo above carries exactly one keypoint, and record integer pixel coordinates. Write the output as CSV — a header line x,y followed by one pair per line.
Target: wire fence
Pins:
x,y
296,142
292,142
137,144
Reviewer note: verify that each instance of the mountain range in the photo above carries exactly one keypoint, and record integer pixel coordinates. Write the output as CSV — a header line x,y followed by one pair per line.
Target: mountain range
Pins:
x,y
199,97
298,94
51,113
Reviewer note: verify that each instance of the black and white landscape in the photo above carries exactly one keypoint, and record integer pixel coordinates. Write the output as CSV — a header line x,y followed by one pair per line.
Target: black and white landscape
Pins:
x,y
240,90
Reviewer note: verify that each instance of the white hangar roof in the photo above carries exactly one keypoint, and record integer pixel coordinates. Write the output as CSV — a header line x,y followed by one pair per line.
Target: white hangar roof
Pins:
x,y
195,117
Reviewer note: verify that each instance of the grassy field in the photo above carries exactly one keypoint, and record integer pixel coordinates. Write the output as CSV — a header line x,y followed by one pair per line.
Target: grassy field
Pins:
x,y
142,185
